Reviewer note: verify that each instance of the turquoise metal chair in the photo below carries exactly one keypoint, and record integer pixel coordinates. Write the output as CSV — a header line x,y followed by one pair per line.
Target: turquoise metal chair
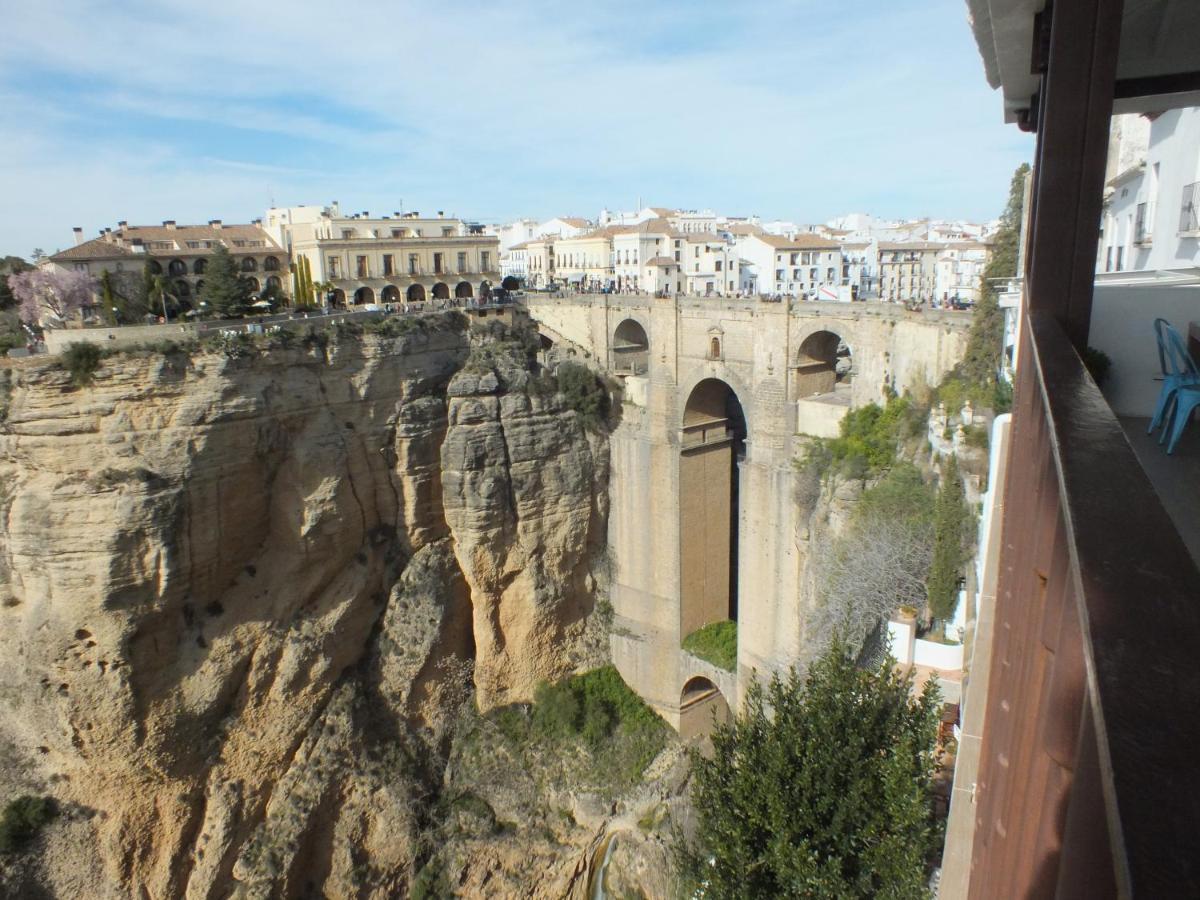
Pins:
x,y
1178,369
1186,399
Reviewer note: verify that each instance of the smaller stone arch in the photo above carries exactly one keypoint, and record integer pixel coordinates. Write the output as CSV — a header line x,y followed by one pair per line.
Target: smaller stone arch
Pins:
x,y
249,264
364,295
822,362
390,294
630,348
199,266
339,297
271,264
415,293
485,288
177,267
274,283
251,283
155,267
701,707
464,290
441,291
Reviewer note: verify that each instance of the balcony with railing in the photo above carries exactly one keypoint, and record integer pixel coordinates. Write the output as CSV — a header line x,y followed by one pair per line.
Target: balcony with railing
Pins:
x,y
705,432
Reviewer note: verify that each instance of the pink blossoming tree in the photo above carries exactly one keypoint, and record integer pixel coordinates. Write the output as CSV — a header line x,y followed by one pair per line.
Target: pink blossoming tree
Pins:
x,y
45,294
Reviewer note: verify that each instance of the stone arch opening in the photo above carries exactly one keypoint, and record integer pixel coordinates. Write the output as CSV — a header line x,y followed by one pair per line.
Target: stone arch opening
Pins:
x,y
364,295
176,267
249,264
271,264
390,294
712,444
630,348
463,290
441,291
510,283
701,706
416,293
251,284
823,362
154,266
273,283
199,266
339,297
485,289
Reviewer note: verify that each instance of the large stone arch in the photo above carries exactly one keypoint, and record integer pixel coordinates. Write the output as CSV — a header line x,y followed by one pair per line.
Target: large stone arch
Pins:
x,y
464,290
390,294
441,291
824,359
719,371
415,293
711,446
630,347
364,295
701,705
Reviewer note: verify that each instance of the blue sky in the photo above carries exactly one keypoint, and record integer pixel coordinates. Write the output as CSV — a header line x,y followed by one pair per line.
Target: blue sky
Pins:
x,y
785,108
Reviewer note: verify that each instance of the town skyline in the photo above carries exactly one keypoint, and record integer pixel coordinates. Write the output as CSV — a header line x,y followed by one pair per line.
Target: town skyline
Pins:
x,y
574,110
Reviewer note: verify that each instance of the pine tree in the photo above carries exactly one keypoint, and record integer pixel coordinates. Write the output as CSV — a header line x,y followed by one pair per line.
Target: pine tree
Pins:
x,y
224,291
951,521
820,788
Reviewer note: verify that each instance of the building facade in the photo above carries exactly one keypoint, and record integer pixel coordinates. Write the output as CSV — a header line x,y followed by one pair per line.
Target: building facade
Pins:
x,y
180,254
361,260
908,271
804,266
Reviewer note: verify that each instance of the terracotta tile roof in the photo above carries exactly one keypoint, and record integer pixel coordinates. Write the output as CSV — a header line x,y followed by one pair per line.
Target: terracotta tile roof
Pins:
x,y
661,261
524,245
661,211
910,245
799,242
574,221
744,228
118,243
97,248
705,237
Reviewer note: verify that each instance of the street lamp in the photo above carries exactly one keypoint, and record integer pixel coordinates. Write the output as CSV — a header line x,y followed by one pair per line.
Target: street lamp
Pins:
x,y
116,318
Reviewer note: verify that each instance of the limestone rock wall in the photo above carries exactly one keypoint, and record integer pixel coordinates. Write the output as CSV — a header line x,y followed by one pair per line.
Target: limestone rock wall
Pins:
x,y
232,587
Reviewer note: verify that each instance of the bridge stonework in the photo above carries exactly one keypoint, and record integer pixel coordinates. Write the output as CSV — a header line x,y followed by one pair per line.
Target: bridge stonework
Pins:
x,y
754,348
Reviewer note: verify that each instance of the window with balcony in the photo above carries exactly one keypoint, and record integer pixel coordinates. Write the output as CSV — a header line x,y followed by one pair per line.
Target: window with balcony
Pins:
x,y
360,267
485,261
437,264
388,266
347,234
447,232
335,267
414,264
462,262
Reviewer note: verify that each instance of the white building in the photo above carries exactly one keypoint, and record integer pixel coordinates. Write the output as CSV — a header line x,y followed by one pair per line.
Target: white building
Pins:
x,y
960,273
803,266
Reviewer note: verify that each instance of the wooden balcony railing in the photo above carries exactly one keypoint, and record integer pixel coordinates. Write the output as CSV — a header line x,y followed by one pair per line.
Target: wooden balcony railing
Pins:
x,y
1089,784
709,431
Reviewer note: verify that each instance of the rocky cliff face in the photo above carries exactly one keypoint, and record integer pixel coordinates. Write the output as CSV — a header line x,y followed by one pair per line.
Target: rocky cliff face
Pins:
x,y
240,593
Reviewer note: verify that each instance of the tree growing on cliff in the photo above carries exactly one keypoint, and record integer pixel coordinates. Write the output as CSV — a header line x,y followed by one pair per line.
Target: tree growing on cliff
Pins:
x,y
878,562
952,523
980,365
224,291
48,294
822,787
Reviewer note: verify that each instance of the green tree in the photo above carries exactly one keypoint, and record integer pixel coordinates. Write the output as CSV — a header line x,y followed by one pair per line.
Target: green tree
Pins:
x,y
952,522
10,265
980,365
224,290
822,788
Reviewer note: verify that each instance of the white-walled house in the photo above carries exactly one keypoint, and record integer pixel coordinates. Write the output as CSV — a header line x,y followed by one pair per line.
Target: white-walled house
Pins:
x,y
799,266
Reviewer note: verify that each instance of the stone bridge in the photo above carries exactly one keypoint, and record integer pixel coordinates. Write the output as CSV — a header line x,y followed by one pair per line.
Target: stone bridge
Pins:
x,y
720,396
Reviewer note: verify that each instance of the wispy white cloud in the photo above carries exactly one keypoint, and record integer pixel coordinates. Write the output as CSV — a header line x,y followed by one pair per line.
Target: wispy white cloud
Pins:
x,y
796,109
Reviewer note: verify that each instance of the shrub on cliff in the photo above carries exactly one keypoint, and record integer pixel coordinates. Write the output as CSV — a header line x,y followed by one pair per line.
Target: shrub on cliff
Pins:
x,y
716,643
82,359
22,819
822,787
582,391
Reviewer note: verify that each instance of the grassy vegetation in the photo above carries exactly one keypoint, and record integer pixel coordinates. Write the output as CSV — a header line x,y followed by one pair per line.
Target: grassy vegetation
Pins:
x,y
870,439
590,732
583,392
716,643
22,819
81,359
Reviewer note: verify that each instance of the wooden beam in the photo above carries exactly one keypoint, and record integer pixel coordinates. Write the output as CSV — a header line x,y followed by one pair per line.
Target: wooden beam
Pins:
x,y
1073,115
